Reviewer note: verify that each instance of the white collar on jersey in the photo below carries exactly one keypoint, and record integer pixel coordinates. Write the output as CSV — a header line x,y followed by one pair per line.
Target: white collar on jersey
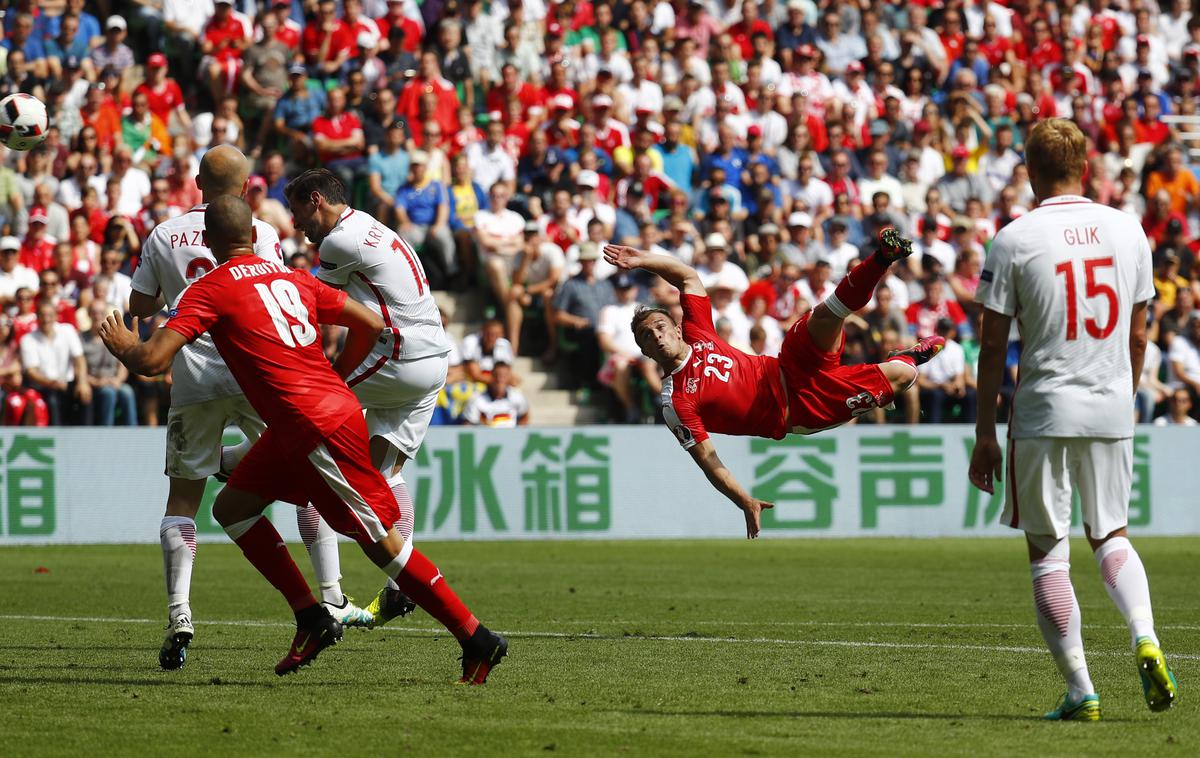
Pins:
x,y
682,363
1063,199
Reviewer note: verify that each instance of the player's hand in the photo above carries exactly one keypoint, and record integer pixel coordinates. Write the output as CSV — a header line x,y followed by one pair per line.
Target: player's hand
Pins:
x,y
752,510
986,465
116,337
623,257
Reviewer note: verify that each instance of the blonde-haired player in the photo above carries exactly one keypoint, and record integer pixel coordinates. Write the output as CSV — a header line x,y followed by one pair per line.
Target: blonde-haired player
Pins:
x,y
1077,277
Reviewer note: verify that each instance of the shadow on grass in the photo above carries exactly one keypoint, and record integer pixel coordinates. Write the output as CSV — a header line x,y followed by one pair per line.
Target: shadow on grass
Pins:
x,y
880,715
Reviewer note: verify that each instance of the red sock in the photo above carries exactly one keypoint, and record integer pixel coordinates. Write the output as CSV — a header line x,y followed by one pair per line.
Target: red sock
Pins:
x,y
265,550
424,585
857,287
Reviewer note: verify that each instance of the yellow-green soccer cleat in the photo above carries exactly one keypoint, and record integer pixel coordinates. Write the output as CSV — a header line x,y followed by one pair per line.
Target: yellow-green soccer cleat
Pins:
x,y
1086,708
1158,683
387,605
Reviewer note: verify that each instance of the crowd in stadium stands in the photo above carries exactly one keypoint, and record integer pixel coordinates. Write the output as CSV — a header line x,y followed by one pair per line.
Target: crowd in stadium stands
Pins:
x,y
765,142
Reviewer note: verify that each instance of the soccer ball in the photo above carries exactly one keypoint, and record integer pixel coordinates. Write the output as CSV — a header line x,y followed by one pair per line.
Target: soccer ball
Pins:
x,y
23,121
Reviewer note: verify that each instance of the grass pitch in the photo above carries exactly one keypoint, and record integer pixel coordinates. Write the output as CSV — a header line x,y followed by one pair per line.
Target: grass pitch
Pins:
x,y
852,647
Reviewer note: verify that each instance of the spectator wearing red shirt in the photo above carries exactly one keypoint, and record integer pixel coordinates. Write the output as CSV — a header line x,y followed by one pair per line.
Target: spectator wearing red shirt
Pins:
x,y
37,251
653,185
327,42
287,32
225,36
952,36
163,93
743,31
1044,50
610,133
50,290
338,136
395,17
429,81
923,315
361,27
511,86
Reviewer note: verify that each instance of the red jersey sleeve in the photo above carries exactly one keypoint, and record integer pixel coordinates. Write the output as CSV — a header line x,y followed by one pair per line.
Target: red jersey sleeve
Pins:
x,y
195,313
683,419
697,318
329,301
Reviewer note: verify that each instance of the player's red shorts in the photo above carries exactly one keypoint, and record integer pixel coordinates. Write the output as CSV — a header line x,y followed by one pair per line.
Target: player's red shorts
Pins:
x,y
336,477
821,392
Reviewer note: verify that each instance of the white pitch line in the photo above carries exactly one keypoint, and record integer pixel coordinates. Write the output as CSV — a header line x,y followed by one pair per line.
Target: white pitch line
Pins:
x,y
617,637
887,624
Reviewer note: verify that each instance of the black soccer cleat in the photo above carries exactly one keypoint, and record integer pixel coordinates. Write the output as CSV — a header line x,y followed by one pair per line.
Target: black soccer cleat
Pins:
x,y
923,351
387,605
315,631
481,654
893,246
173,654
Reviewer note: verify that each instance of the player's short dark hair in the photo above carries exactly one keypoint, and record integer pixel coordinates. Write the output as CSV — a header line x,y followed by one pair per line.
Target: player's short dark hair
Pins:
x,y
319,180
228,219
644,312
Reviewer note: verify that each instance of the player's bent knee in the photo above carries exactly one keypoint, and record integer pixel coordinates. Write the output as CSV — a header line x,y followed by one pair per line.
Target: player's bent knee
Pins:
x,y
901,375
1047,546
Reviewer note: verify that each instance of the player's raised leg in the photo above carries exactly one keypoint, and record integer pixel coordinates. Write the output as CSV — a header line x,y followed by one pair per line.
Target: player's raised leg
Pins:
x,y
855,290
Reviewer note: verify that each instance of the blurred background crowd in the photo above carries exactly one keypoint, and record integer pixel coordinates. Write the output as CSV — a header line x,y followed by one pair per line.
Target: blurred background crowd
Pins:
x,y
765,142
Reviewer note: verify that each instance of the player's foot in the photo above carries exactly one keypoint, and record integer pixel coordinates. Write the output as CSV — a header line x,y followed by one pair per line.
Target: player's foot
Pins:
x,y
1086,708
923,351
173,654
481,654
1158,683
387,605
316,630
893,246
349,614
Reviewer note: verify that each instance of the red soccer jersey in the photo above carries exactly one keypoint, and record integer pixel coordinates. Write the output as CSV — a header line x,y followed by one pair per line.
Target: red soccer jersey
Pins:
x,y
720,389
264,320
166,98
339,127
314,37
224,37
37,254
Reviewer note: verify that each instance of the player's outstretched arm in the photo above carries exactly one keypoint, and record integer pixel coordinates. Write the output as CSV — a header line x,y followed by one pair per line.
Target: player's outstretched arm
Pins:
x,y
986,459
705,456
364,327
142,305
149,358
677,273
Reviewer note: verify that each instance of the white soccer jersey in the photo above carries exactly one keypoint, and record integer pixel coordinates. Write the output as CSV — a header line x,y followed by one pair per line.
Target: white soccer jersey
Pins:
x,y
173,257
381,271
1071,271
502,412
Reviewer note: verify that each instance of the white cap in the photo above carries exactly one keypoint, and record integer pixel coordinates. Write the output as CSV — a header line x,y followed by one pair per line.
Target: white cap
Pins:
x,y
602,101
588,178
366,39
716,239
115,22
728,280
10,243
800,218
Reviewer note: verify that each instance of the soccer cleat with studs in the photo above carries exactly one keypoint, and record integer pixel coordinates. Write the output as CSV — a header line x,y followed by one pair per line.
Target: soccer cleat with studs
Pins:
x,y
387,605
173,654
893,246
1158,682
315,631
481,653
923,351
1086,708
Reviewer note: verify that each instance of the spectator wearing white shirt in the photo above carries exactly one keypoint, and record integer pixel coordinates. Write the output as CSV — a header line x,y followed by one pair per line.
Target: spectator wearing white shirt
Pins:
x,y
1179,406
944,383
482,350
815,287
120,286
614,334
717,266
52,355
13,276
134,183
1185,356
499,233
502,406
929,249
1151,390
490,162
539,270
879,180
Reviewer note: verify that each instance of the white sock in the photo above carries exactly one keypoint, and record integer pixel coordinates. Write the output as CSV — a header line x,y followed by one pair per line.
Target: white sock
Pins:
x,y
1125,579
405,525
1059,618
232,456
321,542
177,534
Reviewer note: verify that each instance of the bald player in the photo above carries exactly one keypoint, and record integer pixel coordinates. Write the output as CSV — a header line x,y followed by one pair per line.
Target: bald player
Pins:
x,y
205,399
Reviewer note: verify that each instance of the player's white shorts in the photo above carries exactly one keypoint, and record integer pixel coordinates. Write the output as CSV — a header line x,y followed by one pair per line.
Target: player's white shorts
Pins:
x,y
412,392
1042,473
194,434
